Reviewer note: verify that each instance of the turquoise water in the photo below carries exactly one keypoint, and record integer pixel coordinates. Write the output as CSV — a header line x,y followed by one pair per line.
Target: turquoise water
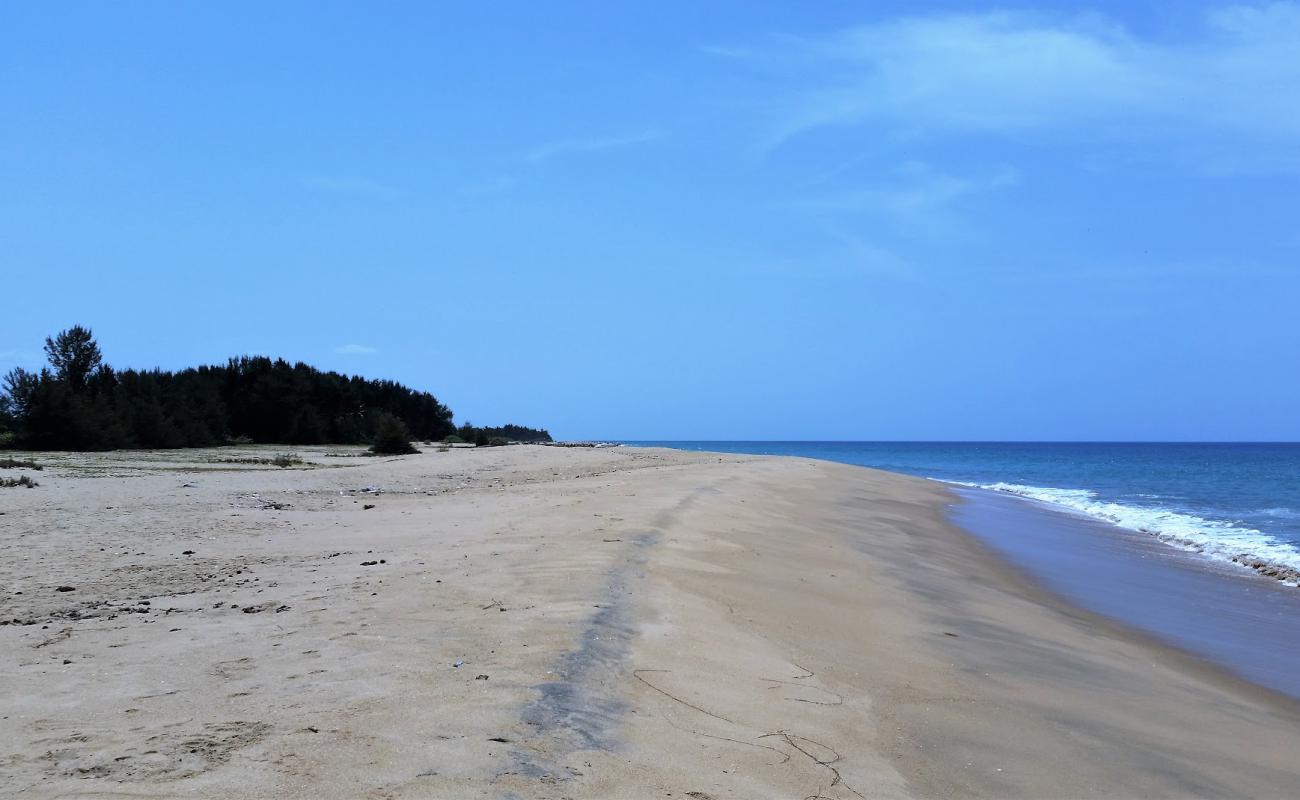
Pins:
x,y
1229,502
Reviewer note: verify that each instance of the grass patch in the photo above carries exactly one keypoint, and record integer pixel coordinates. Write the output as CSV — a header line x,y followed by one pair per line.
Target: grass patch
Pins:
x,y
23,480
281,460
16,463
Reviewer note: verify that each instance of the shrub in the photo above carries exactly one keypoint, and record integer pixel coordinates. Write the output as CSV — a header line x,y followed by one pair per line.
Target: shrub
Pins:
x,y
452,438
498,441
281,460
392,437
22,480
10,463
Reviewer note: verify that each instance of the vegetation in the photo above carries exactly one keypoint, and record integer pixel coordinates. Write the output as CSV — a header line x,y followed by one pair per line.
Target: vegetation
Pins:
x,y
281,460
392,437
80,403
483,437
22,480
518,433
11,463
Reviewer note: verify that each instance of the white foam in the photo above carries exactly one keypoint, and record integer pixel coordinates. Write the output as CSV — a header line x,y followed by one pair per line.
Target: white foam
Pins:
x,y
1216,538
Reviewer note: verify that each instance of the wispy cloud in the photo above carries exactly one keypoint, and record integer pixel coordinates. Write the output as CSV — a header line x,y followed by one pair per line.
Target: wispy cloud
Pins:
x,y
355,350
917,187
549,150
913,199
1224,96
490,186
20,357
869,258
724,51
353,187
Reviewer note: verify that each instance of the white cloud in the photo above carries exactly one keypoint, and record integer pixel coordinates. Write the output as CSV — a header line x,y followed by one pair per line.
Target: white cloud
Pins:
x,y
353,187
869,258
916,187
490,186
20,357
550,150
914,199
355,350
1226,96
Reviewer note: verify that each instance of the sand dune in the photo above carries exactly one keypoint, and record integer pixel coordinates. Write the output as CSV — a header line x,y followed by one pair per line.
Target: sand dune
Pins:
x,y
545,622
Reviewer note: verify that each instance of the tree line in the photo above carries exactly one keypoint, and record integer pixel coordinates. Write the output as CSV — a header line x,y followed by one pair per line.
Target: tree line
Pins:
x,y
80,403
499,435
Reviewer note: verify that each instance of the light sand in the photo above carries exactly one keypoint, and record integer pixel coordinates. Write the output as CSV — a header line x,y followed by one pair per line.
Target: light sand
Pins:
x,y
628,623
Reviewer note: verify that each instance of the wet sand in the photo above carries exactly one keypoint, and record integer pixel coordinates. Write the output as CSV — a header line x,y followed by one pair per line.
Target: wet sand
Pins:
x,y
1220,610
545,622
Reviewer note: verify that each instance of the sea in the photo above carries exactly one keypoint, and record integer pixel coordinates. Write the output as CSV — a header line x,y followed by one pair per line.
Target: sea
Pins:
x,y
1197,544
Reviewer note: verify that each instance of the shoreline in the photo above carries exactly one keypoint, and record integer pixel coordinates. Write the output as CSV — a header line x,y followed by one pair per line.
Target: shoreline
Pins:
x,y
1178,595
1283,574
1221,532
1199,607
586,622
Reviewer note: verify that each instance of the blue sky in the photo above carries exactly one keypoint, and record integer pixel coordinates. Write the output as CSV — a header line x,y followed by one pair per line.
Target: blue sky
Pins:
x,y
726,220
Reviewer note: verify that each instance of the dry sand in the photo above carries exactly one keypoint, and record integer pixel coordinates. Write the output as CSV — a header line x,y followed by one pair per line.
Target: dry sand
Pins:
x,y
540,622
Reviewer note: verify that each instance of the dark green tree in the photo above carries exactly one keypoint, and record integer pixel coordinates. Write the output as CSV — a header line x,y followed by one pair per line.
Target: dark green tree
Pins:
x,y
74,356
79,403
392,437
19,386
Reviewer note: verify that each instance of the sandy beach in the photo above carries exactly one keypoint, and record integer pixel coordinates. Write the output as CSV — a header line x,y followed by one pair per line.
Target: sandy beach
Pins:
x,y
541,622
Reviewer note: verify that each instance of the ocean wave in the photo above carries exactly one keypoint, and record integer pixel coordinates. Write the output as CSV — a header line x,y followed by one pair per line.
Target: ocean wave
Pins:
x,y
1220,539
1279,513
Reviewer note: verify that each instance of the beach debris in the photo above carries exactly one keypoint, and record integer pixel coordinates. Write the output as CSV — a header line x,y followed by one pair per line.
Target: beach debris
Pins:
x,y
501,739
66,589
495,604
460,662
367,506
639,673
480,677
809,748
62,635
187,552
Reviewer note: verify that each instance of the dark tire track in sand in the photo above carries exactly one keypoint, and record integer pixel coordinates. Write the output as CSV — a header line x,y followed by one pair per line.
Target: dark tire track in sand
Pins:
x,y
583,708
